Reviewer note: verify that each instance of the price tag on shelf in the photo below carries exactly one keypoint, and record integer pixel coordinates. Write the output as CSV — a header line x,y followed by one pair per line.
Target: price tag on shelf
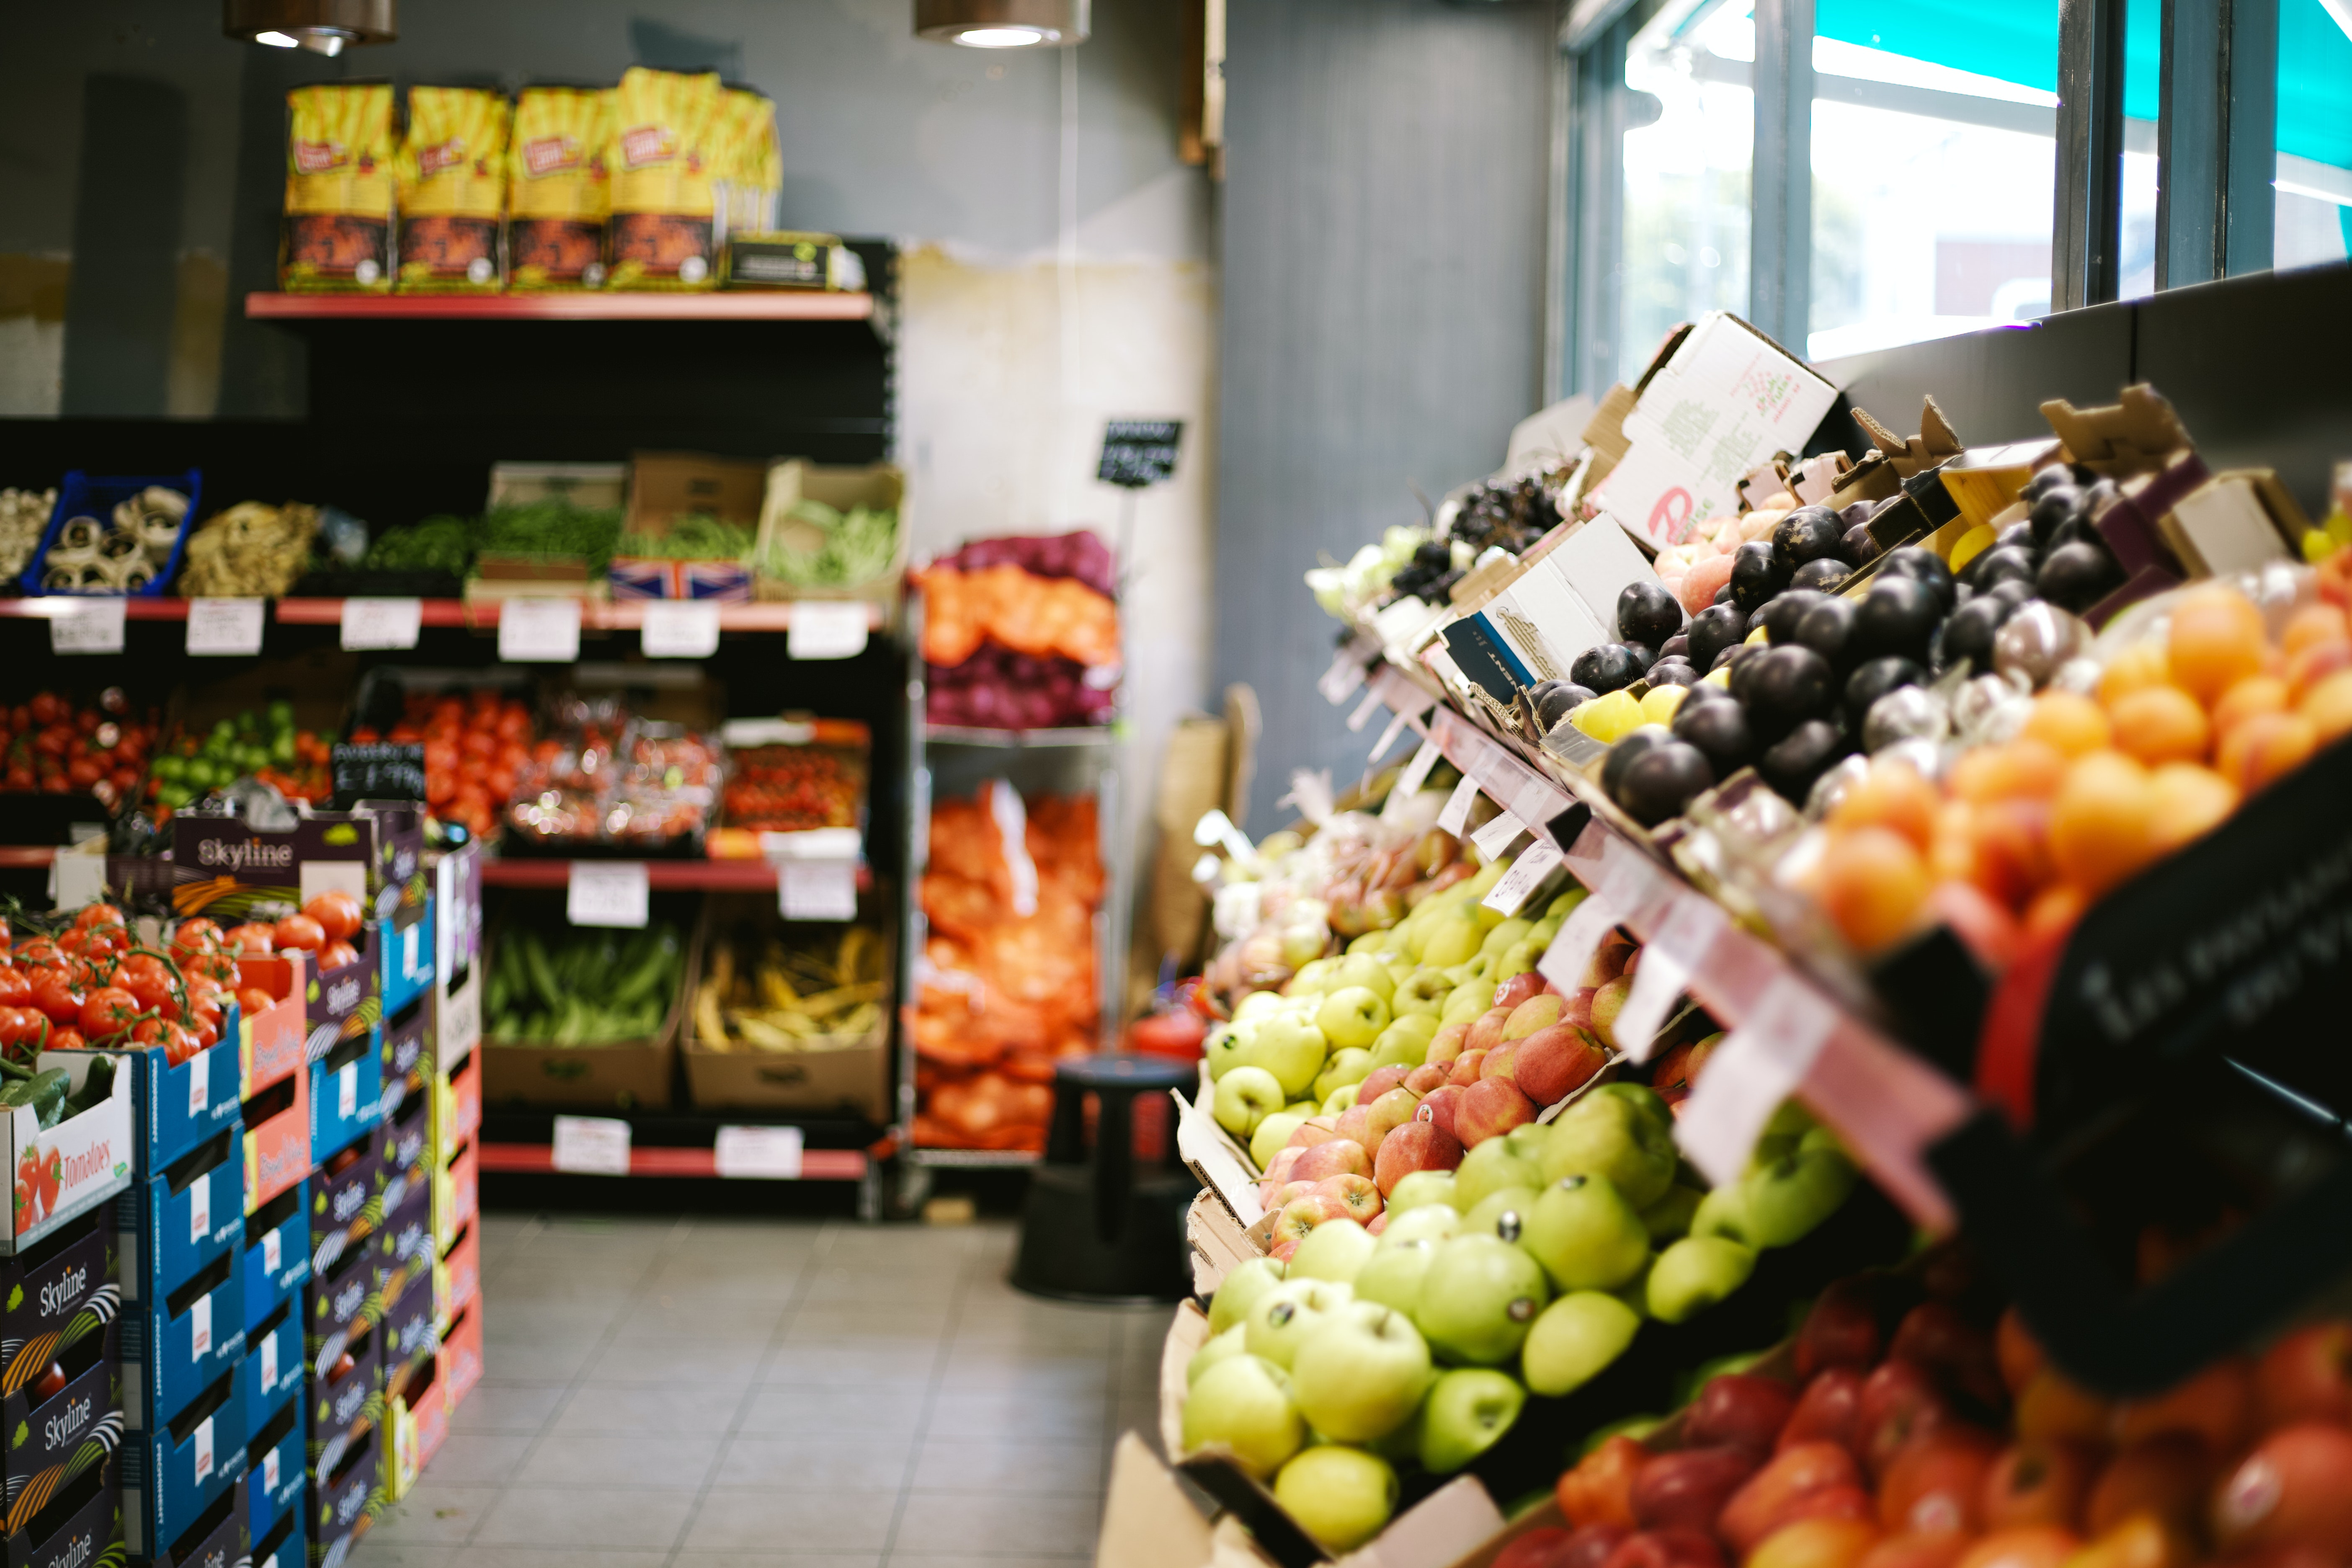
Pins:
x,y
381,624
1511,892
1678,946
1751,1072
592,1145
679,629
817,889
1457,806
1409,781
538,631
1362,716
606,893
1564,962
1537,803
1388,736
826,628
770,1153
346,1090
1497,836
225,628
1346,672
87,625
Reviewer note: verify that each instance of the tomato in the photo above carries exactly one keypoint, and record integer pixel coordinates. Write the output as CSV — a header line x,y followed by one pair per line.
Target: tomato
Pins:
x,y
198,935
40,949
4,937
66,1038
257,938
205,1013
143,966
335,955
299,932
55,995
254,999
16,987
47,708
49,1384
109,1010
338,914
25,1027
98,915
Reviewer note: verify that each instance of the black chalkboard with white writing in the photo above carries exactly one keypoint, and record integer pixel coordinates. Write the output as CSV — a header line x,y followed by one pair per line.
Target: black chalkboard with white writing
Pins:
x,y
1138,453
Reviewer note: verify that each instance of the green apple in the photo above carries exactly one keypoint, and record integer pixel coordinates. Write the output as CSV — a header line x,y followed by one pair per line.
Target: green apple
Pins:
x,y
1343,1099
1292,1050
1574,1339
1465,1002
1489,1168
1635,1292
1218,1348
1465,1413
1778,1139
1607,1135
1520,958
1642,1097
1404,1043
1281,1320
1395,1275
1239,1291
1696,1273
1421,1188
1362,1375
1527,1140
1242,1406
1227,1048
1561,908
1352,1015
1274,1133
1789,1197
1478,1299
1585,1233
1368,970
1671,1216
1478,970
1340,1496
1453,940
1430,1221
1245,1097
1348,1065
1336,1250
1723,1212
1372,942
1423,991
1502,1213
1312,977
1500,939
1255,1005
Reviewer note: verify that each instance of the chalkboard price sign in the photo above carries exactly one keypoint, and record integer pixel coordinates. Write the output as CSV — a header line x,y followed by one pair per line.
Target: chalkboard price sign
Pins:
x,y
1138,453
382,770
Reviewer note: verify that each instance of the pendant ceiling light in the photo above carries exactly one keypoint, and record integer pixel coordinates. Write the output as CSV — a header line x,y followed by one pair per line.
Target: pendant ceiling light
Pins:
x,y
322,27
1003,24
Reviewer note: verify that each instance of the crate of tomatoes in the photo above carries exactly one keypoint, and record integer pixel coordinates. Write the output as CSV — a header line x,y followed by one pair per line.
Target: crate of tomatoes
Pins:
x,y
61,750
473,731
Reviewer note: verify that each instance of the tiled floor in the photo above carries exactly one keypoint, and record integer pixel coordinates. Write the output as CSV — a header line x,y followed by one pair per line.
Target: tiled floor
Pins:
x,y
734,1394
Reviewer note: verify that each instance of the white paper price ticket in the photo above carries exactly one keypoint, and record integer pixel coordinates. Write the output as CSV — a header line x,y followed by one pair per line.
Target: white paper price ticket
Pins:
x,y
592,1145
1409,779
224,627
538,631
88,625
1511,892
816,890
1675,948
1347,673
1537,802
381,623
1362,716
679,629
606,893
768,1153
1497,836
1457,811
1571,953
1388,736
826,628
1749,1073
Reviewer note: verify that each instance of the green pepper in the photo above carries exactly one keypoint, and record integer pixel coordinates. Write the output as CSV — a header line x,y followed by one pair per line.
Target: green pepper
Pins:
x,y
97,1085
48,1095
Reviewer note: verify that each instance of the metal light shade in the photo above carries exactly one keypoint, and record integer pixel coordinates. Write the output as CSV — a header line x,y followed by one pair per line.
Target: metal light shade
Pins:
x,y
322,27
1003,24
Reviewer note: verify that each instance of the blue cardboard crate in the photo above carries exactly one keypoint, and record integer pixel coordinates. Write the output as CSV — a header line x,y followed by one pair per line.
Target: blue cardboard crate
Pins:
x,y
216,1540
273,1368
86,495
277,1252
175,1470
407,958
176,1346
171,1226
346,1093
174,1109
275,1458
283,1544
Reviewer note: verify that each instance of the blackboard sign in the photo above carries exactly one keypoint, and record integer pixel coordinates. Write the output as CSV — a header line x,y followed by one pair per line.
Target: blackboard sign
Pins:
x,y
384,771
1138,453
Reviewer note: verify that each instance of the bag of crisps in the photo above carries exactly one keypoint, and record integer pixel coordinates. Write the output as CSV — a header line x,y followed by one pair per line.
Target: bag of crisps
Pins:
x,y
753,176
558,191
667,163
336,236
453,183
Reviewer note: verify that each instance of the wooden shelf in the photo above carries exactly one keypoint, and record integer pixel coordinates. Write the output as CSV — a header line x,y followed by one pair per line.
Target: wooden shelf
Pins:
x,y
734,306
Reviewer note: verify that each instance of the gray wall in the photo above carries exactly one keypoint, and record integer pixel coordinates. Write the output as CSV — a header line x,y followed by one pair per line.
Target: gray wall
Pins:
x,y
1383,248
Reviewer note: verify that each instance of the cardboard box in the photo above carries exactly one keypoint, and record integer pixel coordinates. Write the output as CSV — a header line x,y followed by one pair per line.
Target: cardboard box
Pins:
x,y
276,1472
346,1205
347,1001
174,1471
344,1501
400,887
346,1094
342,1303
404,1137
170,1228
409,1332
408,1054
1532,629
277,1140
456,1279
667,486
850,1077
46,1451
175,1348
584,487
346,1405
417,1414
274,1369
283,1544
457,1020
457,1196
175,1108
276,1253
405,1247
461,1353
456,1108
2241,520
407,954
56,1293
880,486
224,868
271,1041
456,913
83,1523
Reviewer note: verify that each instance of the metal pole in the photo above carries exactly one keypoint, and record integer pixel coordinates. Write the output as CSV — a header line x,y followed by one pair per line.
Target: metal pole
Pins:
x,y
2088,190
2251,162
1780,177
2192,139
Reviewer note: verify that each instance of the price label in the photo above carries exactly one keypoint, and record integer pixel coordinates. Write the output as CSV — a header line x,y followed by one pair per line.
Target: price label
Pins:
x,y
1388,736
592,1145
346,1090
199,1085
204,1447
1409,780
88,625
768,1153
381,624
679,629
606,893
273,1252
224,627
1751,1071
1362,716
269,1374
826,628
200,1209
1346,672
538,631
1511,892
200,1327
1571,953
1497,836
269,1477
817,889
1674,950
1457,811
1537,802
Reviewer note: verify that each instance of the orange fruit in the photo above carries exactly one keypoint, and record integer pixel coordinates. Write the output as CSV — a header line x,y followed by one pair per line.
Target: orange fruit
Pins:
x,y
1872,883
2073,725
2056,907
2190,802
2133,668
2306,667
2216,640
2008,843
2102,826
1893,795
2255,694
2162,724
2265,746
2313,625
2022,767
2328,706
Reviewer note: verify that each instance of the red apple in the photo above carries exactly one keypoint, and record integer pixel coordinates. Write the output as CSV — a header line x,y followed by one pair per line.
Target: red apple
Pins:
x,y
1388,1113
1535,1013
1356,1125
1292,1192
1763,1502
1576,1007
1536,1549
1553,1063
2294,1489
1377,1224
1438,1105
2216,1407
1609,960
1898,1402
1599,1489
1339,1157
1358,1198
1588,1546
1379,1082
1739,1408
1932,1334
1841,1330
2032,1546
1486,1032
2307,1376
1282,1250
1519,988
2166,1476
2038,1483
1465,1067
2050,1406
1488,1109
1284,1161
1423,1079
1828,1411
1672,1548
1937,1482
1302,1214
1916,1551
1687,1488
1501,1062
1447,1044
1415,1146
1313,1131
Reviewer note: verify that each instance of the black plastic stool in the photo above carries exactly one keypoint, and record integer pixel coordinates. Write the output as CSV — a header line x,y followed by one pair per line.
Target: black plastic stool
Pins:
x,y
1096,1227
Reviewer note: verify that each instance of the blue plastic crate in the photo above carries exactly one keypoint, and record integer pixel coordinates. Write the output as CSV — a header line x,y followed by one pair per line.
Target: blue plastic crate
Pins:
x,y
283,1544
83,495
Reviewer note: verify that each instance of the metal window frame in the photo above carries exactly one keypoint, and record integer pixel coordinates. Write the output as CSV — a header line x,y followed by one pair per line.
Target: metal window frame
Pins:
x,y
2217,129
1780,173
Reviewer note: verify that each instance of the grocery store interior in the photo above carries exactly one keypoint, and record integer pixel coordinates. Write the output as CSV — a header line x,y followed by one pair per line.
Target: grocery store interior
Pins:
x,y
1176,783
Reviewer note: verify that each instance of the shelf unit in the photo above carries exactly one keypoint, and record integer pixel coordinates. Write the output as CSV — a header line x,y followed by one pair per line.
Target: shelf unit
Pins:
x,y
661,876
743,306
481,614
1019,739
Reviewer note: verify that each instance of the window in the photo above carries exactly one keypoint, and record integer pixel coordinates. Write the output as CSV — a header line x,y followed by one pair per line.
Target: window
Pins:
x,y
2314,221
